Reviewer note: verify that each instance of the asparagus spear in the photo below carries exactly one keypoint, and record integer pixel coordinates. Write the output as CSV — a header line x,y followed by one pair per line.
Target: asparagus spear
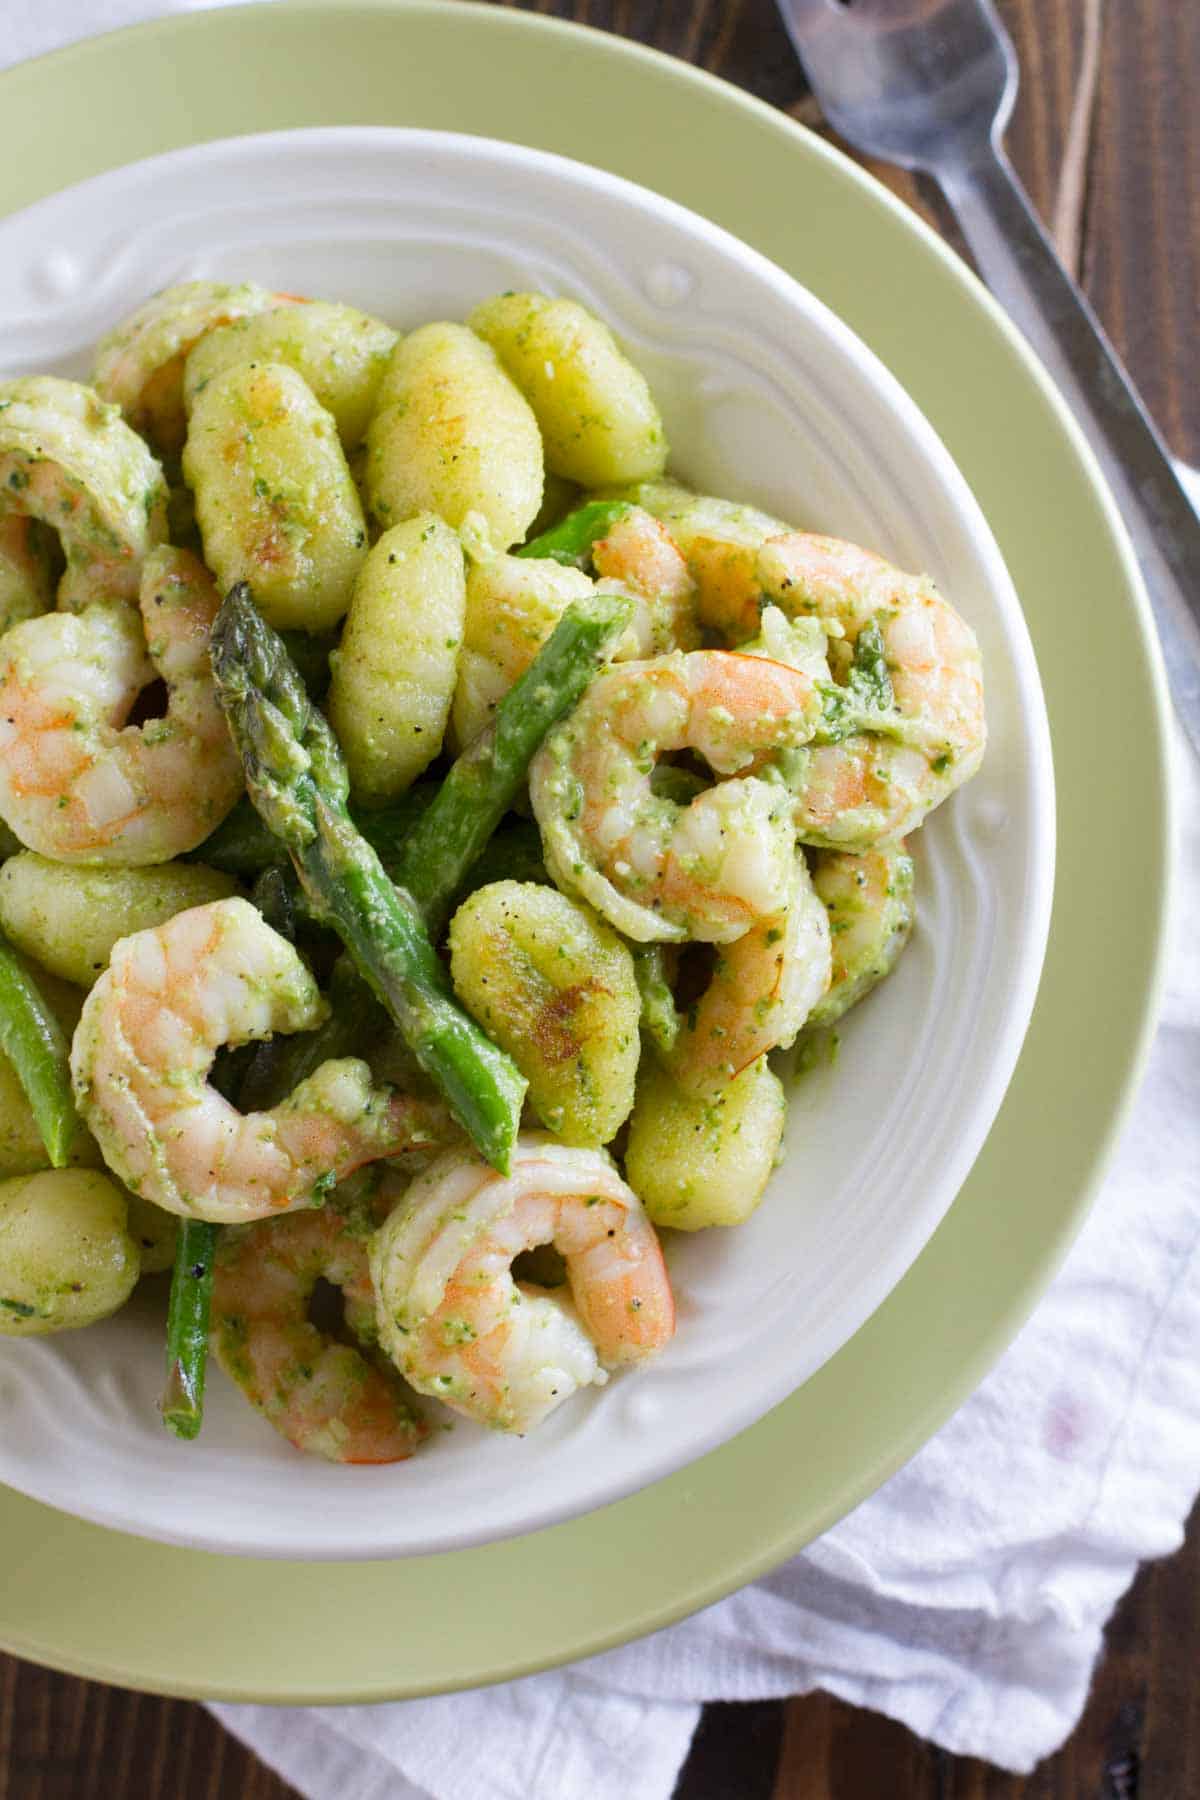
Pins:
x,y
297,780
243,845
571,540
187,1327
448,837
191,1288
36,1045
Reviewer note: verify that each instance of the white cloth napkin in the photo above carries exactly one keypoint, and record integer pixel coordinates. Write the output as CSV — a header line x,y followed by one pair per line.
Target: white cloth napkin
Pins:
x,y
966,1598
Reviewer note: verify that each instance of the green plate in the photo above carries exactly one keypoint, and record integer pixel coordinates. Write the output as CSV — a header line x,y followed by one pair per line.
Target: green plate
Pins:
x,y
183,1622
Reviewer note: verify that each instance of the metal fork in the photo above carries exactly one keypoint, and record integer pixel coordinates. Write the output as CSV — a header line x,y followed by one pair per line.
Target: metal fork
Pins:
x,y
930,85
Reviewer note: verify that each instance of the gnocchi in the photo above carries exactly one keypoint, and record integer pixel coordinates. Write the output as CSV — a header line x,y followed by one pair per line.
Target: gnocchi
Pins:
x,y
512,606
275,502
67,918
393,676
66,1255
595,411
452,435
556,988
697,1161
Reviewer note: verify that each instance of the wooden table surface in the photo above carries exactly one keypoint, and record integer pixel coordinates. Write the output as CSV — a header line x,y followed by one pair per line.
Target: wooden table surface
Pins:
x,y
1107,139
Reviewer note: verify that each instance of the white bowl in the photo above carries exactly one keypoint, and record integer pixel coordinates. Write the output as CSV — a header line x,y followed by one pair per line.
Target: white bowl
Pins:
x,y
768,398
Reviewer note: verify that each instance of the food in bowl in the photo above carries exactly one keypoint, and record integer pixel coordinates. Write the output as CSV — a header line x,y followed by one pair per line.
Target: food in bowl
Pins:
x,y
404,590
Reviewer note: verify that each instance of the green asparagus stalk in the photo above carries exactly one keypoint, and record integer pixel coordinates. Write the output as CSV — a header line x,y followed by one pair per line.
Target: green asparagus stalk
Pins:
x,y
571,540
187,1327
36,1045
191,1285
446,840
243,845
297,779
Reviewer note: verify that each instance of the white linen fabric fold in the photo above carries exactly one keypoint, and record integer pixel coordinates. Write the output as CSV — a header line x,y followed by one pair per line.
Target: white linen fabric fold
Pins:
x,y
966,1598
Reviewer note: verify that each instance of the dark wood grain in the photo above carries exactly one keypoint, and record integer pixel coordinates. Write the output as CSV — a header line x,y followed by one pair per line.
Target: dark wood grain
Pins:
x,y
1109,147
62,1739
1142,244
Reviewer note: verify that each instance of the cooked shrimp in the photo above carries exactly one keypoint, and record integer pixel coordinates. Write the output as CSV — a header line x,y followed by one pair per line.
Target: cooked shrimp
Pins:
x,y
71,461
25,585
657,870
762,990
140,364
76,782
868,900
879,783
638,557
322,1395
720,541
506,1352
146,1041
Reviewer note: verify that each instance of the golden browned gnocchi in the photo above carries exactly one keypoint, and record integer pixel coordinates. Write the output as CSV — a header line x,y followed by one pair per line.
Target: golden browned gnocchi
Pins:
x,y
393,676
275,502
452,435
595,410
556,988
66,1255
340,352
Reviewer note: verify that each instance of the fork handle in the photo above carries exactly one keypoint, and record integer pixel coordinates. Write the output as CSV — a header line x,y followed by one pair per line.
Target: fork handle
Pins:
x,y
1019,264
